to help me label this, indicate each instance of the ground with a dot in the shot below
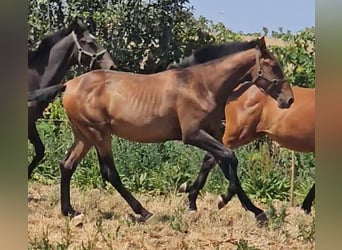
(107, 223)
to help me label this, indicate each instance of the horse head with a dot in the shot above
(89, 52)
(268, 76)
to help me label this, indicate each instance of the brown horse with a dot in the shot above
(181, 104)
(252, 114)
(50, 62)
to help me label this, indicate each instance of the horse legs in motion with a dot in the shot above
(107, 167)
(228, 162)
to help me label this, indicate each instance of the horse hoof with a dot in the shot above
(183, 188)
(307, 210)
(261, 219)
(71, 213)
(192, 210)
(147, 216)
(77, 221)
(220, 202)
(142, 218)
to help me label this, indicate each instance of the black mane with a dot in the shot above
(50, 40)
(211, 52)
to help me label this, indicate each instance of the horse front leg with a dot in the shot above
(228, 164)
(38, 147)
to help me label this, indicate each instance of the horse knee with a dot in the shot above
(232, 188)
(67, 168)
(209, 161)
(230, 157)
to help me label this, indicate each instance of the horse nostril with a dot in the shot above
(291, 100)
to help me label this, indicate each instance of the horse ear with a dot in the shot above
(261, 43)
(91, 25)
(78, 26)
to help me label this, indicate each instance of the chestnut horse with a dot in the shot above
(251, 114)
(181, 104)
(50, 62)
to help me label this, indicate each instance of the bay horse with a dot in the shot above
(48, 64)
(251, 114)
(180, 104)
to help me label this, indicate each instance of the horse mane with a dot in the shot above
(215, 51)
(50, 40)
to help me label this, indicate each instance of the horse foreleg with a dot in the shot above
(38, 148)
(110, 174)
(307, 203)
(193, 190)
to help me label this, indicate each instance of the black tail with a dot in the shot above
(46, 94)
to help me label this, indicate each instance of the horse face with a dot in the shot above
(269, 77)
(94, 54)
(90, 53)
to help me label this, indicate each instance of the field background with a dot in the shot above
(107, 223)
(146, 38)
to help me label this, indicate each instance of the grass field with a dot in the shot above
(107, 223)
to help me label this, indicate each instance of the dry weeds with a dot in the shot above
(107, 223)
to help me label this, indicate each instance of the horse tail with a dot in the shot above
(46, 94)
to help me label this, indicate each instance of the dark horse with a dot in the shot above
(182, 104)
(49, 63)
(251, 114)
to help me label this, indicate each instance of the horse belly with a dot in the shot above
(156, 131)
(300, 143)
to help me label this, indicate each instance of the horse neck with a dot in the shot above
(223, 75)
(61, 58)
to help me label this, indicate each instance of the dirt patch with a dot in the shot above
(106, 223)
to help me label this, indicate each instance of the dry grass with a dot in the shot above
(106, 224)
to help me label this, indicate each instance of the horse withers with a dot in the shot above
(49, 63)
(182, 104)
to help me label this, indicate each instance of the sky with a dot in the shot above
(251, 16)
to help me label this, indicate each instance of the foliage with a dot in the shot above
(261, 177)
(298, 59)
(145, 36)
(277, 219)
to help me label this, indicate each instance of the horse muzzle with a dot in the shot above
(285, 103)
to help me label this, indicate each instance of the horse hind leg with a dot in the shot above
(110, 174)
(228, 164)
(38, 148)
(307, 203)
(67, 167)
(235, 188)
(208, 163)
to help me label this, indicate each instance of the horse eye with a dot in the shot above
(275, 81)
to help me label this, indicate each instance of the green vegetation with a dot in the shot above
(145, 38)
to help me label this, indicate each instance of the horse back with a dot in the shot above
(133, 106)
